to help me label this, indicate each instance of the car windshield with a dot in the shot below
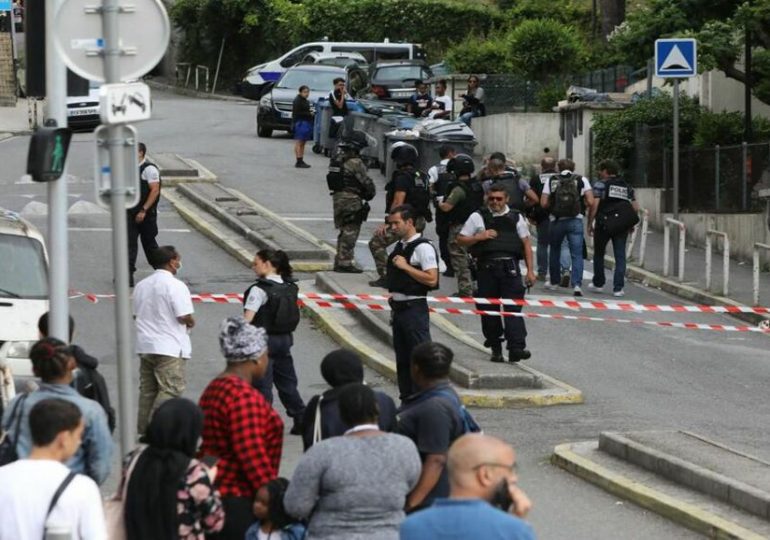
(23, 269)
(315, 80)
(399, 73)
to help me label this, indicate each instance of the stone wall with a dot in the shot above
(7, 76)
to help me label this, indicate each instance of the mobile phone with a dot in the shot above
(501, 497)
(210, 461)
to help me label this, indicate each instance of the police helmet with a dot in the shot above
(404, 154)
(356, 140)
(461, 165)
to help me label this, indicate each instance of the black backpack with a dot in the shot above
(419, 196)
(565, 193)
(91, 384)
(280, 315)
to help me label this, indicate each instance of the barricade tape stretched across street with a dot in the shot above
(354, 302)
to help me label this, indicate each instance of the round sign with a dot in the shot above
(144, 32)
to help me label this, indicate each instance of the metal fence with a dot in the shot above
(714, 179)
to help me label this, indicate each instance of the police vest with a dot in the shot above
(515, 195)
(144, 189)
(417, 195)
(615, 190)
(398, 280)
(441, 187)
(507, 243)
(280, 314)
(337, 179)
(473, 200)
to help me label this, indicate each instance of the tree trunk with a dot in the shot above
(613, 13)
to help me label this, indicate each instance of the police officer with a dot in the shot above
(520, 193)
(539, 216)
(408, 186)
(499, 238)
(439, 179)
(143, 218)
(412, 271)
(613, 213)
(351, 188)
(465, 197)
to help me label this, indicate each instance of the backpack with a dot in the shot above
(469, 423)
(280, 315)
(566, 196)
(91, 384)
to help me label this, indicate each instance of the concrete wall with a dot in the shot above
(520, 136)
(652, 200)
(7, 76)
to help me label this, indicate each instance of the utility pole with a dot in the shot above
(58, 279)
(747, 134)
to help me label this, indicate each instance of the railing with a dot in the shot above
(644, 218)
(757, 247)
(185, 70)
(671, 222)
(725, 259)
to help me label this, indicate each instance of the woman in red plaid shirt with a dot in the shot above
(240, 427)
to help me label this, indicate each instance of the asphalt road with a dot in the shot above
(632, 377)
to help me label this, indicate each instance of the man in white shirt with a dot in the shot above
(163, 312)
(28, 487)
(566, 196)
(442, 103)
(412, 272)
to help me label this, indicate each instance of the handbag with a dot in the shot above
(618, 219)
(8, 452)
(114, 507)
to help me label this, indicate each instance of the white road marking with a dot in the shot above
(109, 229)
(306, 218)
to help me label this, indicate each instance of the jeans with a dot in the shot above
(411, 326)
(466, 117)
(281, 372)
(502, 279)
(572, 230)
(160, 378)
(543, 245)
(619, 249)
(147, 230)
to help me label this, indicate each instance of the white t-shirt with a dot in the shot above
(257, 297)
(433, 172)
(26, 489)
(423, 257)
(446, 100)
(158, 300)
(150, 174)
(475, 224)
(555, 178)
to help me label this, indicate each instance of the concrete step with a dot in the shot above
(703, 465)
(175, 169)
(255, 223)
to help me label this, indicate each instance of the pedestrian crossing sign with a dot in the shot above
(676, 58)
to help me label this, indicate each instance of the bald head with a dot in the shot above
(477, 463)
(548, 164)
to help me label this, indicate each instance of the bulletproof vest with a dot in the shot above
(545, 178)
(616, 189)
(398, 280)
(441, 187)
(473, 200)
(337, 179)
(417, 195)
(280, 314)
(515, 196)
(144, 188)
(507, 243)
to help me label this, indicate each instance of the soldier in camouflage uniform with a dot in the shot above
(351, 188)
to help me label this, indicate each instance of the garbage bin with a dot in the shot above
(435, 134)
(365, 122)
(327, 142)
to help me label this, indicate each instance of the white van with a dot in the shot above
(23, 295)
(257, 76)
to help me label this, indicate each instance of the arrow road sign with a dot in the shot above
(676, 58)
(124, 103)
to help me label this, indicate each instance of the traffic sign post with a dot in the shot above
(676, 59)
(121, 103)
(126, 143)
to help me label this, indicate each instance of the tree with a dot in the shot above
(541, 49)
(613, 13)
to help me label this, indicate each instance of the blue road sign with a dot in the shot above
(6, 5)
(676, 58)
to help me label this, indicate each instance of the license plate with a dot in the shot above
(84, 112)
(285, 115)
(402, 94)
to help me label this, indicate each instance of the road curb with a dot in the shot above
(674, 509)
(189, 92)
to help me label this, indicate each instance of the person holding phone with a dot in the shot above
(485, 500)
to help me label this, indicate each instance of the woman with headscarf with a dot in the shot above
(240, 427)
(322, 415)
(354, 487)
(170, 494)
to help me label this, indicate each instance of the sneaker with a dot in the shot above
(379, 282)
(347, 269)
(517, 355)
(541, 277)
(564, 282)
(594, 288)
(301, 165)
(577, 291)
(618, 294)
(497, 354)
(550, 286)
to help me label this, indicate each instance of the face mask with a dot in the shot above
(178, 267)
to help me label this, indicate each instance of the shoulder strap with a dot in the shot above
(317, 436)
(17, 428)
(124, 485)
(59, 491)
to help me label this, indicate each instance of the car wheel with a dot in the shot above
(262, 131)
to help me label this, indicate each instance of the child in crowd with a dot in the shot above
(273, 523)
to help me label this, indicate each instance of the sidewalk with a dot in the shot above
(694, 285)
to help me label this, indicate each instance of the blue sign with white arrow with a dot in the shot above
(676, 58)
(6, 5)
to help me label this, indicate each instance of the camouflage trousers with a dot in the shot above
(346, 244)
(160, 378)
(378, 245)
(459, 256)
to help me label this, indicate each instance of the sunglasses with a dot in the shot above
(497, 199)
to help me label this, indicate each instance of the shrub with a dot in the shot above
(543, 48)
(478, 55)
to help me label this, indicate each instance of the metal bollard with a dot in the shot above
(725, 260)
(755, 258)
(667, 243)
(644, 218)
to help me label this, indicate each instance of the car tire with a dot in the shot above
(264, 132)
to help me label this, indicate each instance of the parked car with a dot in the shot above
(394, 81)
(341, 59)
(274, 110)
(83, 111)
(254, 83)
(23, 297)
